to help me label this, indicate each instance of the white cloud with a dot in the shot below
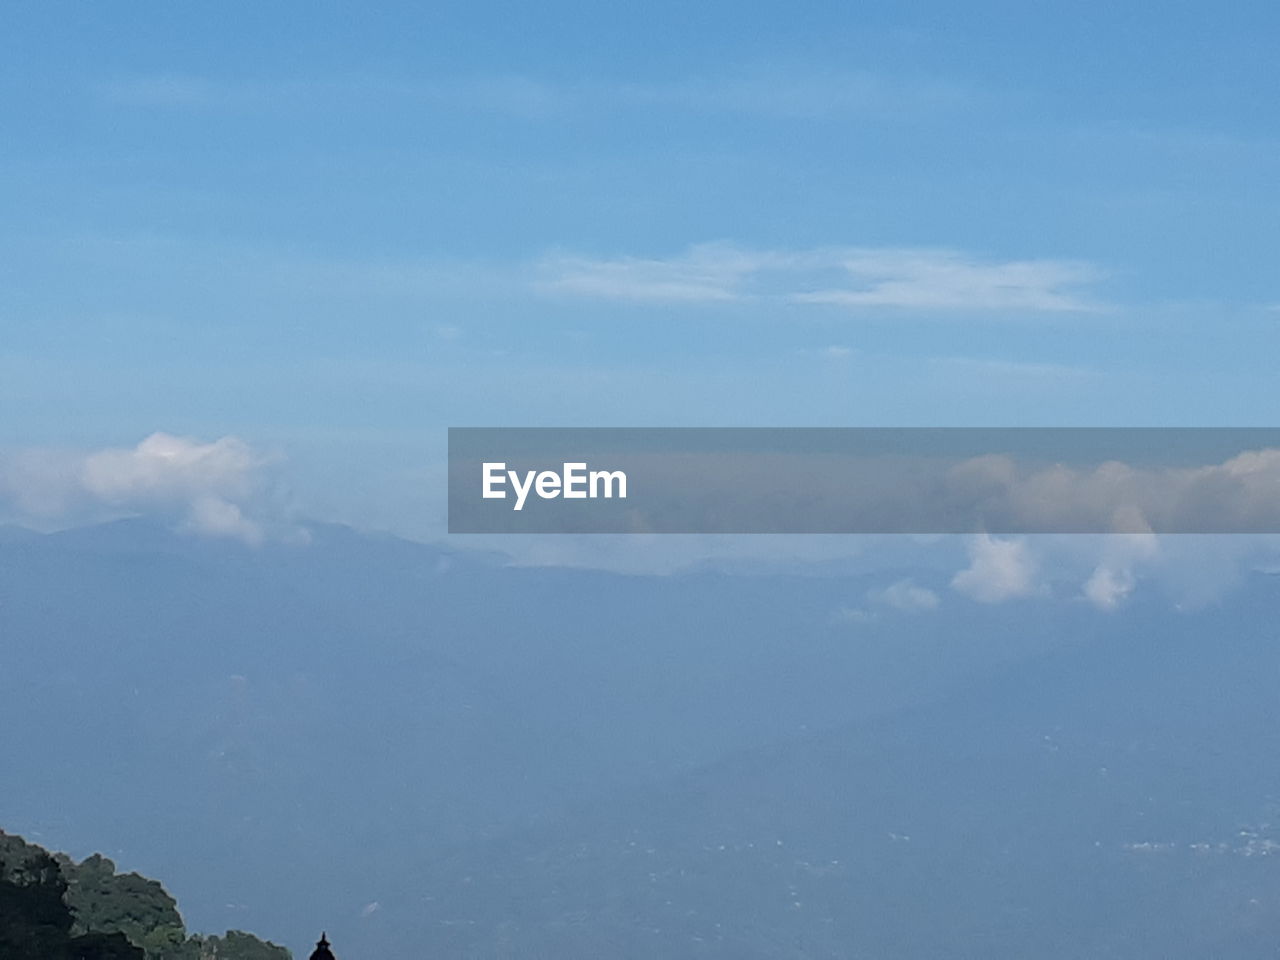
(1115, 577)
(905, 595)
(706, 273)
(168, 468)
(1108, 586)
(998, 570)
(212, 489)
(219, 518)
(948, 280)
(851, 615)
(926, 280)
(1240, 494)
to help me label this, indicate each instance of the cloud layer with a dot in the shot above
(213, 489)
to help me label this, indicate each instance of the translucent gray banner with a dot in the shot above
(864, 480)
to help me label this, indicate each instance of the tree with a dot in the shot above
(35, 921)
(104, 901)
(52, 908)
(103, 946)
(237, 945)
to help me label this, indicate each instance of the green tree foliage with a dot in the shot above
(35, 921)
(237, 945)
(104, 901)
(103, 946)
(52, 908)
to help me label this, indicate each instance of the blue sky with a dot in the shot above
(332, 231)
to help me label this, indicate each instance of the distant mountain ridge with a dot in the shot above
(1095, 802)
(432, 749)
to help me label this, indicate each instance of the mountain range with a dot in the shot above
(429, 751)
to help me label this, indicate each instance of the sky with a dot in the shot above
(305, 239)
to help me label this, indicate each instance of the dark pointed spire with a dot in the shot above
(322, 951)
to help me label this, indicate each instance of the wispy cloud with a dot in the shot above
(706, 273)
(797, 93)
(948, 280)
(163, 90)
(800, 93)
(857, 278)
(515, 96)
(1014, 369)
